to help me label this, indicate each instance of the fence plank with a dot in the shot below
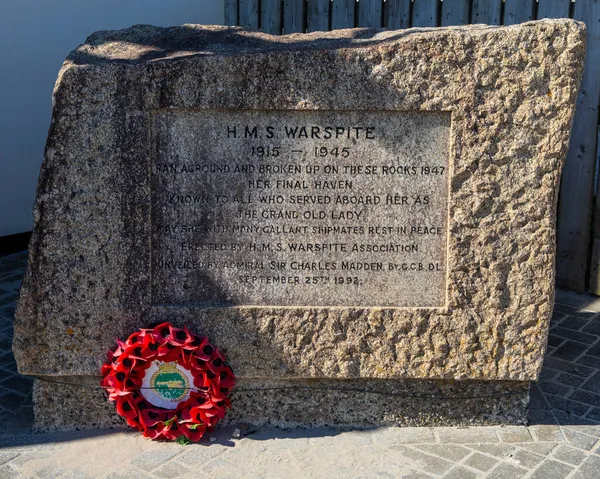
(231, 12)
(293, 16)
(369, 13)
(486, 11)
(270, 16)
(398, 14)
(425, 13)
(553, 8)
(248, 13)
(518, 11)
(455, 12)
(578, 172)
(317, 15)
(594, 284)
(342, 15)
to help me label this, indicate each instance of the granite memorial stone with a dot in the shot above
(364, 220)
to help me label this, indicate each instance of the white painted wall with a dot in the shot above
(35, 38)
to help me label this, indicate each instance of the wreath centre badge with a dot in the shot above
(165, 385)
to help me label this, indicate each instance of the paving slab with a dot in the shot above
(552, 470)
(590, 468)
(507, 471)
(526, 459)
(459, 472)
(579, 440)
(480, 462)
(467, 435)
(514, 434)
(405, 435)
(152, 459)
(447, 451)
(569, 454)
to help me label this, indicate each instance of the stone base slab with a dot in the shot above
(76, 402)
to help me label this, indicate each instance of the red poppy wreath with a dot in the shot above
(168, 383)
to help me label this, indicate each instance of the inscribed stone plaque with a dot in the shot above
(317, 208)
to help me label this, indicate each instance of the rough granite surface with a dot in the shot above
(78, 403)
(511, 93)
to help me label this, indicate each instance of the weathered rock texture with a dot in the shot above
(511, 93)
(77, 402)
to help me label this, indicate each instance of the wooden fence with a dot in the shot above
(578, 253)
